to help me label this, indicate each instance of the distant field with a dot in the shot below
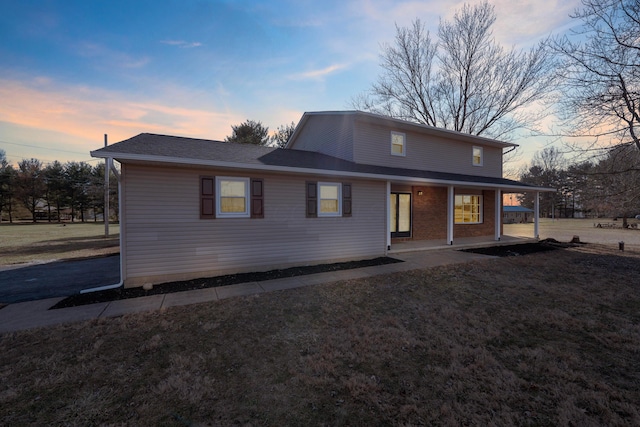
(564, 229)
(42, 242)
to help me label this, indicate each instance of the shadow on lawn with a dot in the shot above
(522, 249)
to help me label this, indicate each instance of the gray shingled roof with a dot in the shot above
(180, 150)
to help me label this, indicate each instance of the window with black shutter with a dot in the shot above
(231, 197)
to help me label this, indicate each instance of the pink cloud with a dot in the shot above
(87, 113)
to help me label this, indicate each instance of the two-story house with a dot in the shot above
(349, 185)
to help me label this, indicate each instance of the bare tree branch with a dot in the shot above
(464, 82)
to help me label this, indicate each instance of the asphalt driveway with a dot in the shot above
(57, 279)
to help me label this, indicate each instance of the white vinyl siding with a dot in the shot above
(331, 135)
(166, 240)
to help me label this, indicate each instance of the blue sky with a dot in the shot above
(71, 71)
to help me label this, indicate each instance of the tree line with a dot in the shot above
(54, 192)
(603, 187)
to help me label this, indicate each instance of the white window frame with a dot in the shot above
(247, 212)
(480, 209)
(338, 185)
(404, 144)
(473, 156)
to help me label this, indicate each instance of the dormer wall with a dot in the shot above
(328, 134)
(372, 144)
(366, 138)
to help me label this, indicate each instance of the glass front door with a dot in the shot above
(400, 215)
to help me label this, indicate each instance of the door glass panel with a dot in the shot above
(394, 213)
(404, 219)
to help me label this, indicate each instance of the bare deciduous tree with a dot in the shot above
(465, 81)
(282, 135)
(544, 171)
(601, 71)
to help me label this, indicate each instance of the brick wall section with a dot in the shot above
(429, 215)
(487, 228)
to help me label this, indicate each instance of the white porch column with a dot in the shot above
(536, 215)
(387, 208)
(498, 213)
(450, 214)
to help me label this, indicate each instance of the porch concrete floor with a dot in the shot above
(462, 243)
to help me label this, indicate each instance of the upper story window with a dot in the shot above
(398, 144)
(477, 156)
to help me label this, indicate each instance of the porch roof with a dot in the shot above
(164, 149)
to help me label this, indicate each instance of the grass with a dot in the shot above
(42, 242)
(545, 339)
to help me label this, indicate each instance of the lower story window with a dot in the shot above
(468, 209)
(233, 198)
(329, 197)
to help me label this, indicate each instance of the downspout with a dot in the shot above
(121, 282)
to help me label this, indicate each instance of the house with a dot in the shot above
(349, 185)
(516, 214)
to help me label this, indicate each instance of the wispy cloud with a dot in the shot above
(318, 74)
(105, 55)
(519, 22)
(181, 43)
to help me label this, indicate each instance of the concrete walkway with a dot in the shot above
(36, 314)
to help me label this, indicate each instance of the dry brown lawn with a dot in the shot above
(543, 339)
(43, 242)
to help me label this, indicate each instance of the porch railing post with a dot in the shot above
(498, 213)
(536, 215)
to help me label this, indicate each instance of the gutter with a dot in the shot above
(121, 282)
(311, 171)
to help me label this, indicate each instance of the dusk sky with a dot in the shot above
(71, 71)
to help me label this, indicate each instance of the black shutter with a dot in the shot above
(257, 198)
(207, 197)
(346, 199)
(312, 199)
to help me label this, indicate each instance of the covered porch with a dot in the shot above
(424, 216)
